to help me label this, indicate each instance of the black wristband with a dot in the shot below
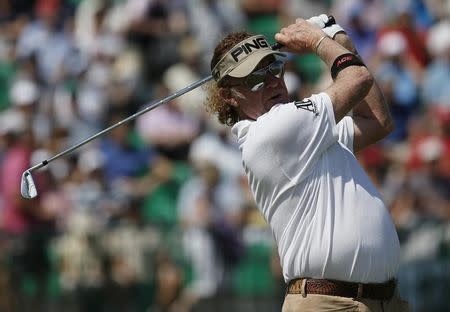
(343, 61)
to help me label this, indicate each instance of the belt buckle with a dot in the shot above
(359, 292)
(295, 287)
(303, 288)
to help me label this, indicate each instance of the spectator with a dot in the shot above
(17, 214)
(361, 33)
(436, 80)
(209, 209)
(30, 225)
(209, 19)
(45, 38)
(122, 159)
(216, 146)
(397, 81)
(168, 128)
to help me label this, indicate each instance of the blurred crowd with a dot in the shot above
(157, 215)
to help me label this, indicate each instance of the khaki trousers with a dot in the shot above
(321, 303)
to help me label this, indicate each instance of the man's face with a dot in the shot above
(252, 104)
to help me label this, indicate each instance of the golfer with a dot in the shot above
(338, 247)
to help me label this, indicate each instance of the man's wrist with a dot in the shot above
(317, 45)
(343, 61)
(344, 40)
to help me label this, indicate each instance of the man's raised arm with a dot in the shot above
(371, 117)
(351, 84)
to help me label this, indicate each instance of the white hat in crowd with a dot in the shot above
(431, 149)
(24, 92)
(392, 43)
(12, 121)
(438, 40)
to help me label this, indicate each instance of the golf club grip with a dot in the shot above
(331, 21)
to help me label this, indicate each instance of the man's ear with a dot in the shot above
(227, 95)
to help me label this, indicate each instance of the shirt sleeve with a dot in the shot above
(298, 133)
(346, 132)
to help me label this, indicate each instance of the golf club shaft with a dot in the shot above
(148, 108)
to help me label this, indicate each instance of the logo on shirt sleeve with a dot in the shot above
(308, 105)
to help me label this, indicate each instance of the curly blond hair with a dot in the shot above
(226, 114)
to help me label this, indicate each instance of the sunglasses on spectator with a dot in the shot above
(257, 79)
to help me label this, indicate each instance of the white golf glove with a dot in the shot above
(320, 22)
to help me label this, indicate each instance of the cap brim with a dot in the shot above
(251, 62)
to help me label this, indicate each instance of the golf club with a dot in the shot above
(27, 185)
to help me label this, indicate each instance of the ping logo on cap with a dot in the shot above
(242, 58)
(248, 47)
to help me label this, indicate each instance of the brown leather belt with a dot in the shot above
(381, 291)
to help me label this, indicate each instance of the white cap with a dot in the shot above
(392, 43)
(431, 149)
(24, 92)
(12, 121)
(438, 40)
(90, 160)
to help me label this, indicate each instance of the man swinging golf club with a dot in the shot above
(338, 247)
(337, 243)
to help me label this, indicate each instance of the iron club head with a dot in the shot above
(27, 187)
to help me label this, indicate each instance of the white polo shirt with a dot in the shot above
(328, 219)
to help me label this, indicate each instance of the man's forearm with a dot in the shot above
(374, 105)
(351, 85)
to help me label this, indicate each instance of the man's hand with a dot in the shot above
(300, 37)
